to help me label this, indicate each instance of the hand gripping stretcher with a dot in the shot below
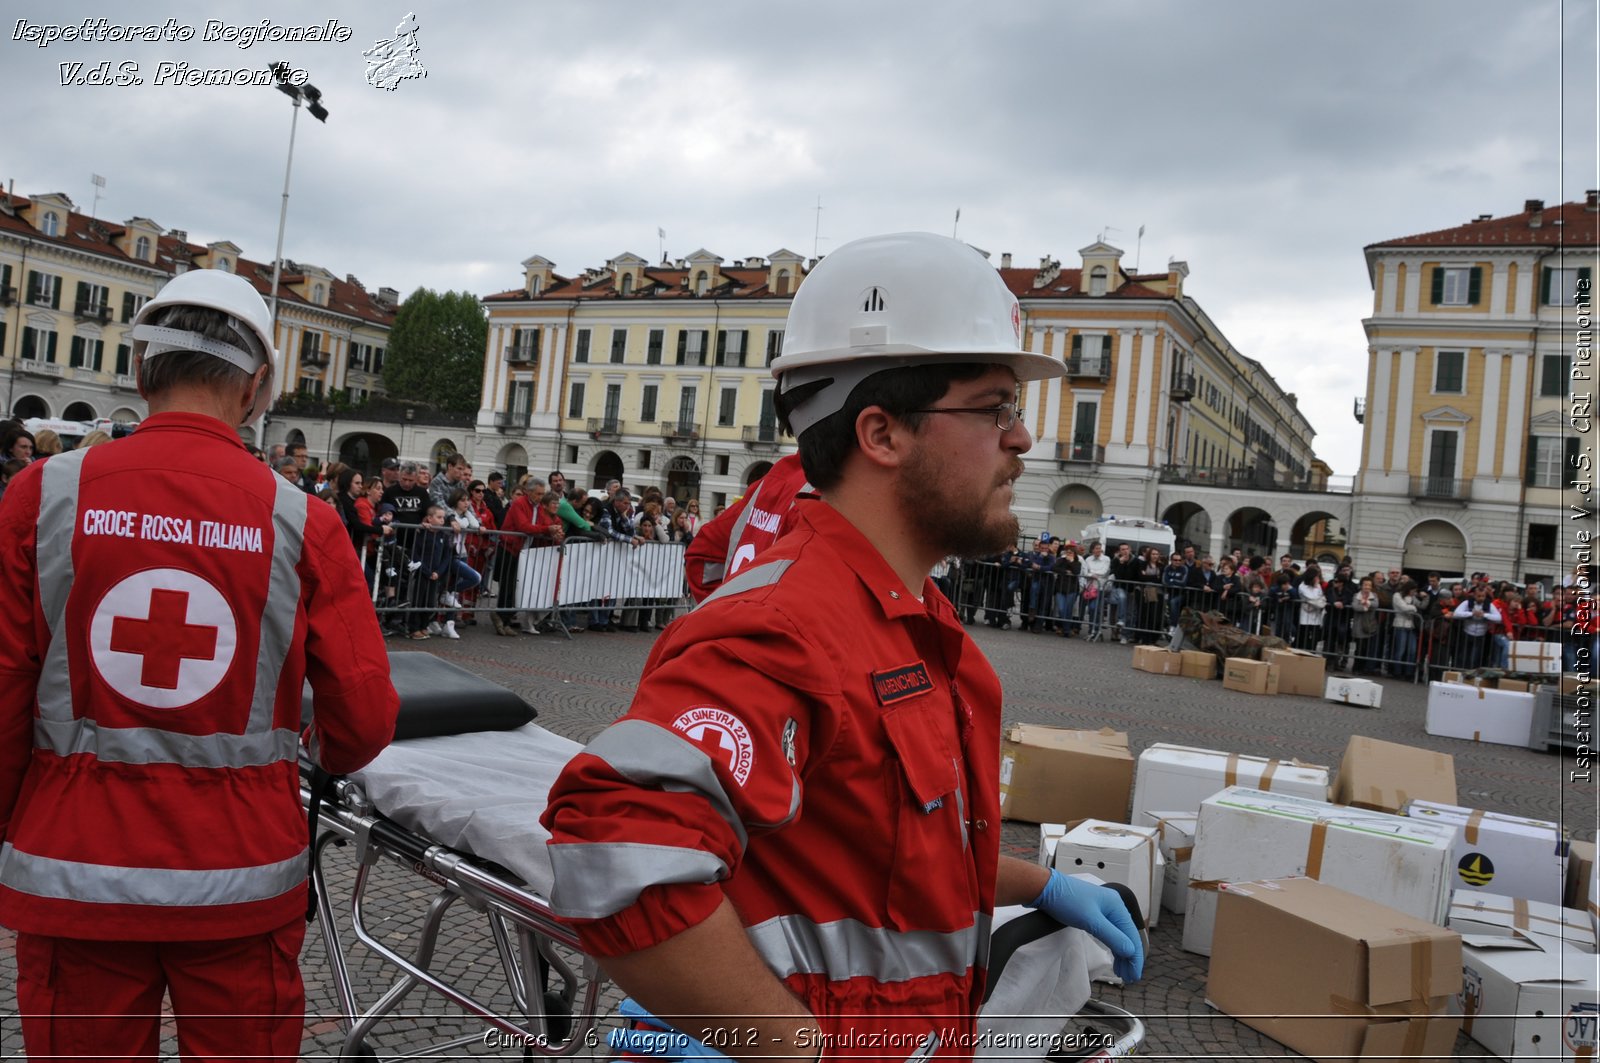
(450, 810)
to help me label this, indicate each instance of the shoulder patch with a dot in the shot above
(722, 736)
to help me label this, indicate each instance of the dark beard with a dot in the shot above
(955, 526)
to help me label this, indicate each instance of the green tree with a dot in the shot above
(435, 352)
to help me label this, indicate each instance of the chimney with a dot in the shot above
(350, 278)
(388, 297)
(1591, 199)
(1005, 260)
(1532, 206)
(180, 235)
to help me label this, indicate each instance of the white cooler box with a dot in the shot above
(1502, 854)
(1176, 839)
(1247, 834)
(1348, 691)
(1548, 925)
(1178, 778)
(1116, 852)
(1523, 1002)
(1481, 714)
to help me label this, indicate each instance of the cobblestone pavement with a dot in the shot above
(581, 685)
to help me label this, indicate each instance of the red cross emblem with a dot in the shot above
(722, 735)
(164, 638)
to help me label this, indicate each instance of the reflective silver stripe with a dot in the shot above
(43, 876)
(738, 528)
(283, 601)
(53, 534)
(151, 745)
(597, 879)
(961, 805)
(655, 757)
(712, 573)
(750, 579)
(847, 948)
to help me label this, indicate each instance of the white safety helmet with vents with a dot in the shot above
(230, 294)
(903, 299)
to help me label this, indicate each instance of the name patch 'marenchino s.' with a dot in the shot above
(897, 684)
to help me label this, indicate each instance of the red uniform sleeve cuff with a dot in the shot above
(661, 912)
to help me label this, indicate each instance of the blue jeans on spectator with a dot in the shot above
(1065, 604)
(465, 576)
(1500, 654)
(1405, 652)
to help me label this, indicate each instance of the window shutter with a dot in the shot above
(1530, 466)
(55, 294)
(96, 354)
(683, 344)
(1544, 286)
(1437, 296)
(722, 346)
(1569, 463)
(1474, 285)
(50, 346)
(75, 358)
(1105, 346)
(29, 343)
(127, 307)
(1583, 277)
(33, 285)
(1077, 346)
(83, 294)
(124, 359)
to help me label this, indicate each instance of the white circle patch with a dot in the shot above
(163, 637)
(722, 736)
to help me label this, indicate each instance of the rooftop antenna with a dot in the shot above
(816, 235)
(661, 243)
(1108, 229)
(957, 225)
(99, 183)
(1137, 248)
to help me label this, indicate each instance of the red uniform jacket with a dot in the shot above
(822, 748)
(745, 529)
(167, 596)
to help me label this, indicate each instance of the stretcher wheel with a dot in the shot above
(557, 1017)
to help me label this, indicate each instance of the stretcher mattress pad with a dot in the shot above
(479, 793)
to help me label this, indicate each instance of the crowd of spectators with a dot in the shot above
(1380, 623)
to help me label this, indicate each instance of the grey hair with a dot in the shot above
(410, 466)
(171, 368)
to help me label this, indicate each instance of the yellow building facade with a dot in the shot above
(1476, 357)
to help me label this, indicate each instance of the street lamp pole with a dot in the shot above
(312, 97)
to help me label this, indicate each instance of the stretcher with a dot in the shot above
(455, 801)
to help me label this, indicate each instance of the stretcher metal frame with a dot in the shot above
(524, 930)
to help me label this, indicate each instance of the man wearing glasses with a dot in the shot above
(792, 838)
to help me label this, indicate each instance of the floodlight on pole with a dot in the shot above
(312, 97)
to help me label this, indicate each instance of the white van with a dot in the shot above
(69, 431)
(1138, 532)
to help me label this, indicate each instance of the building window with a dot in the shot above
(1449, 372)
(85, 353)
(311, 386)
(377, 359)
(727, 404)
(652, 351)
(1097, 280)
(1085, 429)
(730, 346)
(701, 282)
(619, 344)
(224, 265)
(581, 352)
(141, 248)
(92, 299)
(692, 346)
(613, 407)
(782, 285)
(1542, 542)
(1557, 287)
(131, 304)
(1553, 372)
(38, 344)
(316, 294)
(1545, 456)
(124, 359)
(575, 400)
(688, 398)
(50, 225)
(774, 344)
(647, 403)
(44, 289)
(310, 347)
(1457, 285)
(627, 284)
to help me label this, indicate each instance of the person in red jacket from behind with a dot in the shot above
(165, 617)
(745, 529)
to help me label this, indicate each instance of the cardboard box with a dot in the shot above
(1385, 775)
(1299, 672)
(1055, 775)
(1199, 665)
(1349, 691)
(1247, 834)
(1178, 778)
(1249, 677)
(1522, 1003)
(1176, 839)
(1332, 975)
(1050, 835)
(1534, 658)
(1116, 852)
(1479, 714)
(1157, 661)
(1580, 866)
(1551, 926)
(1502, 854)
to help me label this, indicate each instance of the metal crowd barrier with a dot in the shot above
(581, 584)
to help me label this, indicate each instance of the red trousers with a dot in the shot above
(101, 1000)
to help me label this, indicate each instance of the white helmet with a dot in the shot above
(229, 293)
(904, 299)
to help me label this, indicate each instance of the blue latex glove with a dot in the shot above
(660, 1040)
(1086, 906)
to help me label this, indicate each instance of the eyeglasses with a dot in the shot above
(1005, 415)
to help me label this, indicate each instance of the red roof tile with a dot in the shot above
(1568, 224)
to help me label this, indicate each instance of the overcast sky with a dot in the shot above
(1263, 142)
